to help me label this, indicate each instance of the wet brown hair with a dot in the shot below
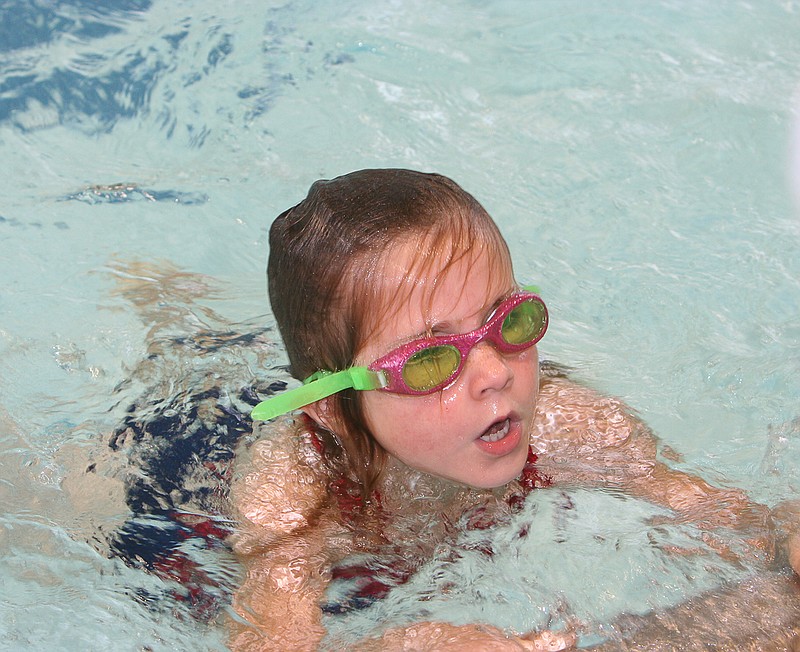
(326, 283)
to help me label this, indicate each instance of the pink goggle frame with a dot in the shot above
(425, 365)
(429, 364)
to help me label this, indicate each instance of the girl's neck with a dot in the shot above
(401, 486)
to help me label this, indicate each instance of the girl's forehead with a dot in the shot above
(430, 263)
(417, 292)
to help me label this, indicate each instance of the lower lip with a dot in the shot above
(505, 445)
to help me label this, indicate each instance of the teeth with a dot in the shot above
(496, 433)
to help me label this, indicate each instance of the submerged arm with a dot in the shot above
(283, 543)
(586, 438)
(277, 606)
(444, 637)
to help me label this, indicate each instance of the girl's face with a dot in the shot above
(476, 431)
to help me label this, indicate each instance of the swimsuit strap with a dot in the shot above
(531, 478)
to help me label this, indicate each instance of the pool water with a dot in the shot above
(637, 156)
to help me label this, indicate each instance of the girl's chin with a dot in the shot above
(499, 477)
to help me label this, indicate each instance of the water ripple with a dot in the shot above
(125, 192)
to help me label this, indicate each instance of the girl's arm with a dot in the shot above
(585, 438)
(277, 605)
(283, 541)
(444, 637)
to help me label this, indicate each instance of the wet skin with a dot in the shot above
(475, 431)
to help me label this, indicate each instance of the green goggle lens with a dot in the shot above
(431, 367)
(523, 323)
(435, 365)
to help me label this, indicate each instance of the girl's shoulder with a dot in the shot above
(569, 413)
(279, 486)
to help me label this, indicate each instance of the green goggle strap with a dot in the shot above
(318, 386)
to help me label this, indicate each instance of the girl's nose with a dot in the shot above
(488, 370)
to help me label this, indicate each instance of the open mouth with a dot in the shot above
(496, 431)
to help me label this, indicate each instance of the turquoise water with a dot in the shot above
(637, 156)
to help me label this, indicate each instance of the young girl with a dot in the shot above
(423, 400)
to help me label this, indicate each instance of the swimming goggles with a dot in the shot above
(425, 365)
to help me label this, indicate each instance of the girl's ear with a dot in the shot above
(322, 413)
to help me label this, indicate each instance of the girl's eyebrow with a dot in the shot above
(446, 327)
(505, 297)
